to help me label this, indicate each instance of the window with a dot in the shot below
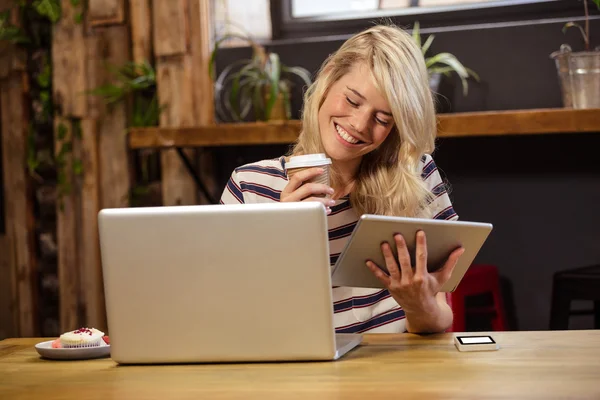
(312, 18)
(313, 8)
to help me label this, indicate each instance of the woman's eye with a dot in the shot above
(353, 104)
(381, 122)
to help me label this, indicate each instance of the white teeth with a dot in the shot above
(344, 135)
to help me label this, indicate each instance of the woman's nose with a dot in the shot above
(361, 121)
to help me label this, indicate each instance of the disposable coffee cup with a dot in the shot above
(300, 163)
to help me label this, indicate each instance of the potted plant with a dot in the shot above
(262, 83)
(442, 64)
(578, 72)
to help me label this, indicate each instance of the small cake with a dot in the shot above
(83, 337)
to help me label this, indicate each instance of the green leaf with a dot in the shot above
(287, 103)
(427, 44)
(48, 8)
(66, 147)
(597, 2)
(416, 33)
(233, 94)
(575, 25)
(440, 70)
(61, 178)
(77, 167)
(45, 76)
(452, 62)
(77, 129)
(44, 96)
(275, 72)
(62, 131)
(300, 72)
(9, 32)
(213, 54)
(110, 93)
(258, 103)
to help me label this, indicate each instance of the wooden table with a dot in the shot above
(537, 365)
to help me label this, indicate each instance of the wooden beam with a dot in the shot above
(519, 122)
(174, 77)
(12, 57)
(89, 250)
(201, 33)
(201, 16)
(141, 30)
(492, 123)
(106, 12)
(8, 318)
(66, 228)
(255, 133)
(113, 159)
(20, 222)
(170, 27)
(68, 61)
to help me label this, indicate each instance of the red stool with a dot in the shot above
(479, 279)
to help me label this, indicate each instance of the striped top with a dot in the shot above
(356, 310)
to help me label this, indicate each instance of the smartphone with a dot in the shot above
(475, 343)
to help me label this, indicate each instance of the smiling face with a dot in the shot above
(354, 119)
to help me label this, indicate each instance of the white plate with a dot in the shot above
(83, 353)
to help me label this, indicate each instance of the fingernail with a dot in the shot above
(328, 210)
(331, 202)
(330, 190)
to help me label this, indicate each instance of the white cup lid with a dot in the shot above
(308, 160)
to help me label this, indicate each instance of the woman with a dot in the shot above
(371, 111)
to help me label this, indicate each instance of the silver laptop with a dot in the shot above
(219, 283)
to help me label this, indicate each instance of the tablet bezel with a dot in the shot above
(443, 237)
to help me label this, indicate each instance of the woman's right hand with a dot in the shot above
(297, 190)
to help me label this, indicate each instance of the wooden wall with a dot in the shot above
(174, 36)
(81, 53)
(181, 33)
(18, 258)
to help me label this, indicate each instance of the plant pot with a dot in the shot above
(579, 77)
(443, 92)
(278, 111)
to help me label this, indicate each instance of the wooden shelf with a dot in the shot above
(489, 123)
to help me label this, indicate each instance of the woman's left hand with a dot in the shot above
(415, 289)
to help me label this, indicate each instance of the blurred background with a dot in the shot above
(128, 103)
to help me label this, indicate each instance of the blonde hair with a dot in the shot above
(389, 178)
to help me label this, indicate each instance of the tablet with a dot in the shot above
(443, 237)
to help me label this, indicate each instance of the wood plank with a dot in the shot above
(112, 124)
(8, 320)
(105, 12)
(141, 30)
(540, 121)
(522, 122)
(68, 61)
(256, 133)
(201, 31)
(91, 269)
(201, 14)
(175, 94)
(96, 72)
(12, 57)
(529, 365)
(66, 230)
(20, 222)
(170, 27)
